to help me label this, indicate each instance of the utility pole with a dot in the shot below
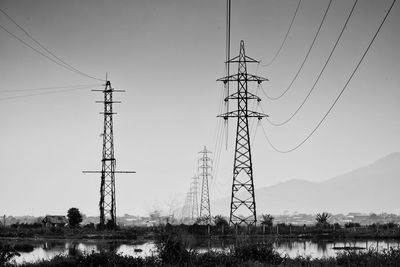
(205, 173)
(243, 204)
(107, 203)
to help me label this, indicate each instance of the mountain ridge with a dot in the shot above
(371, 188)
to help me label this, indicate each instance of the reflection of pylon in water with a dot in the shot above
(107, 203)
(243, 204)
(205, 173)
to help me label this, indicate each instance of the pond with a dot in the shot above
(47, 249)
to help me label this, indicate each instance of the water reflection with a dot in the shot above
(47, 249)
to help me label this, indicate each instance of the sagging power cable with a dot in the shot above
(55, 58)
(284, 39)
(320, 73)
(338, 97)
(305, 58)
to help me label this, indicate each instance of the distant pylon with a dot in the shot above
(243, 203)
(194, 191)
(107, 203)
(205, 167)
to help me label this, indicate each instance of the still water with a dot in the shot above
(47, 249)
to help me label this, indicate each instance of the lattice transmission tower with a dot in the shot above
(243, 204)
(187, 207)
(205, 168)
(194, 191)
(107, 203)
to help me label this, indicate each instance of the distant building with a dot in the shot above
(55, 220)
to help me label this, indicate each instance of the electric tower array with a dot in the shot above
(107, 203)
(243, 204)
(205, 163)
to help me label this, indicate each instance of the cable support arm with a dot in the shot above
(108, 91)
(113, 172)
(250, 114)
(237, 77)
(236, 96)
(109, 102)
(247, 59)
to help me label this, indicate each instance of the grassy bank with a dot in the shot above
(173, 250)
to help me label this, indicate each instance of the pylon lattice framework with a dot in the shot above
(243, 197)
(107, 203)
(194, 192)
(205, 168)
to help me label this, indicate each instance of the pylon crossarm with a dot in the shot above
(247, 59)
(237, 77)
(237, 113)
(113, 171)
(237, 96)
(109, 91)
(109, 102)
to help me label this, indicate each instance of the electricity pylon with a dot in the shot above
(243, 203)
(194, 197)
(205, 173)
(186, 210)
(107, 203)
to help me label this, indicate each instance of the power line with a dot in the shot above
(340, 94)
(45, 93)
(64, 65)
(320, 74)
(305, 58)
(45, 88)
(284, 39)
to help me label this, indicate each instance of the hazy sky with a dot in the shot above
(167, 55)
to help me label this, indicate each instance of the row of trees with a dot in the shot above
(266, 219)
(75, 218)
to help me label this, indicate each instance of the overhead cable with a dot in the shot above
(305, 58)
(60, 62)
(45, 88)
(340, 94)
(320, 73)
(45, 93)
(284, 39)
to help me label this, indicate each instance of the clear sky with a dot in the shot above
(167, 55)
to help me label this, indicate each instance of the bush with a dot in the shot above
(351, 225)
(7, 253)
(262, 252)
(172, 249)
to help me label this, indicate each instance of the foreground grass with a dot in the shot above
(173, 251)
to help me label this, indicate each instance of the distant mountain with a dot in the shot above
(373, 188)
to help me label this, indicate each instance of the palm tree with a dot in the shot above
(219, 220)
(322, 218)
(267, 220)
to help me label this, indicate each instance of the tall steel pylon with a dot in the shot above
(205, 167)
(243, 203)
(107, 203)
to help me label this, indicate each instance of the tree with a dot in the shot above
(322, 218)
(267, 220)
(203, 220)
(74, 217)
(220, 221)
